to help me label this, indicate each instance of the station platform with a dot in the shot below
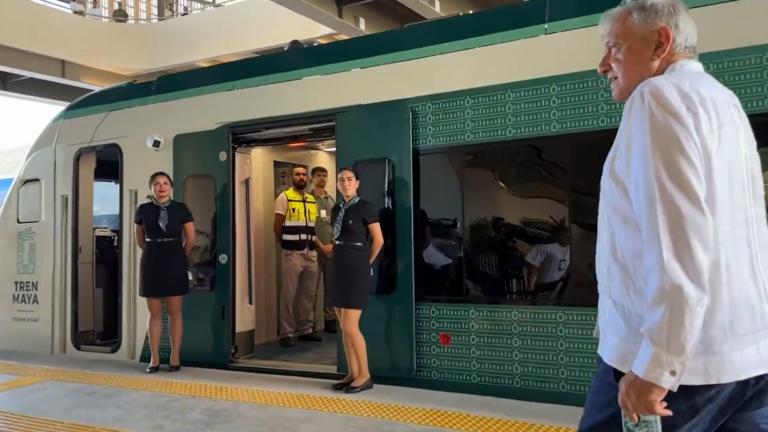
(57, 393)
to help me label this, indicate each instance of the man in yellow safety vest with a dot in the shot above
(294, 226)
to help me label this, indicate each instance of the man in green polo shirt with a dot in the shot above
(324, 241)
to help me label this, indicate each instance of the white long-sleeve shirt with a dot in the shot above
(682, 247)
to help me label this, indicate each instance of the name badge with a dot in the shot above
(323, 213)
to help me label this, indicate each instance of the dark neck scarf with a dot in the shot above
(343, 206)
(162, 220)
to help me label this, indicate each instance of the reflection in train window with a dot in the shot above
(511, 222)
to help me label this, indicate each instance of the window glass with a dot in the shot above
(106, 204)
(510, 223)
(30, 201)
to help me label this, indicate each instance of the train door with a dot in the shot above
(201, 178)
(273, 314)
(377, 139)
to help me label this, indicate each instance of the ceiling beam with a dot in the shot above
(421, 8)
(30, 87)
(25, 63)
(346, 3)
(322, 17)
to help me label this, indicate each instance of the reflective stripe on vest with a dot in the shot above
(299, 224)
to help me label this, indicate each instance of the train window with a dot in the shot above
(200, 197)
(509, 223)
(106, 203)
(98, 237)
(30, 201)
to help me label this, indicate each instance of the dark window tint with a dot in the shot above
(511, 222)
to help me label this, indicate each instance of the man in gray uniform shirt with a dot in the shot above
(324, 241)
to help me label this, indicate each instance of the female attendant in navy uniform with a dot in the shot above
(357, 242)
(165, 233)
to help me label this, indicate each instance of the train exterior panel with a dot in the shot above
(535, 79)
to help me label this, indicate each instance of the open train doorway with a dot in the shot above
(97, 273)
(279, 284)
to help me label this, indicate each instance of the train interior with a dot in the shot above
(263, 161)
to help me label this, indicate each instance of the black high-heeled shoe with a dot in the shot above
(341, 385)
(174, 368)
(362, 387)
(152, 369)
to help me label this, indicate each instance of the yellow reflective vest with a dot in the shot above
(299, 225)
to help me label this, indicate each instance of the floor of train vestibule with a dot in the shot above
(307, 356)
(41, 392)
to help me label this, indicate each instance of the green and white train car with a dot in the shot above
(474, 133)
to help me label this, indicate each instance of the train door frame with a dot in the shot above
(76, 250)
(274, 133)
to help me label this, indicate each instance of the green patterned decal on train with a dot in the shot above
(563, 104)
(569, 103)
(745, 72)
(520, 349)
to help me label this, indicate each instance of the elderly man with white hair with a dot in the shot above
(682, 245)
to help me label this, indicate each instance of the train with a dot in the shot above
(477, 135)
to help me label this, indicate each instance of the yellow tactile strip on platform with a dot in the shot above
(12, 422)
(337, 405)
(20, 382)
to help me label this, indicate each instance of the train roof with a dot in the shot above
(504, 24)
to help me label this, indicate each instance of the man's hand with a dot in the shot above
(640, 397)
(328, 250)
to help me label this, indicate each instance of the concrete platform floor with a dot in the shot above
(118, 395)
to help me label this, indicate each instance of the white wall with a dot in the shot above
(133, 48)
